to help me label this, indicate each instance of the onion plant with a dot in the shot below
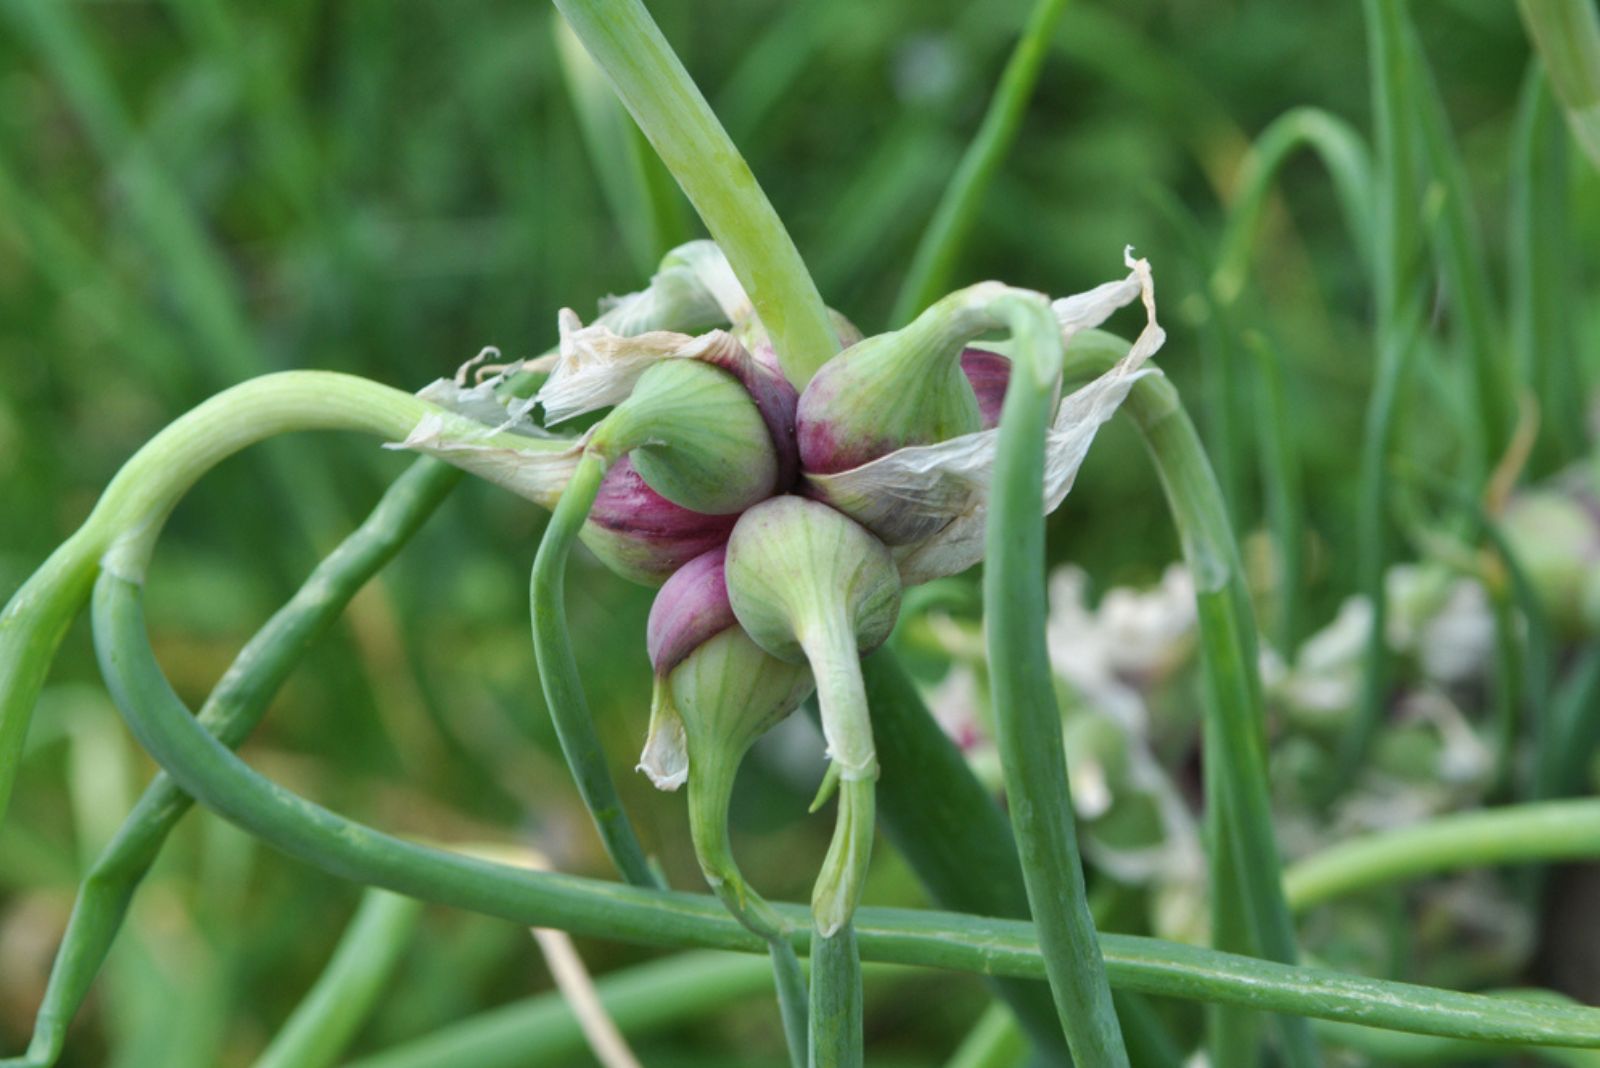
(791, 485)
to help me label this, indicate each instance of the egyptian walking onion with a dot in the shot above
(782, 526)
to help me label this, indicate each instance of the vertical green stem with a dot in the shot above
(1029, 720)
(949, 829)
(933, 264)
(1241, 834)
(1541, 276)
(558, 675)
(836, 1008)
(625, 41)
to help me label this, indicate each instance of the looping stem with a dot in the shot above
(558, 674)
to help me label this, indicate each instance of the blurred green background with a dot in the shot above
(193, 192)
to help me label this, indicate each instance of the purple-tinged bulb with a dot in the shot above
(895, 390)
(715, 690)
(692, 607)
(774, 397)
(988, 373)
(641, 535)
(695, 436)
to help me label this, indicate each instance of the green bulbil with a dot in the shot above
(695, 436)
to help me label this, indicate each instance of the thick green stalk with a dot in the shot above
(933, 264)
(625, 41)
(563, 688)
(1236, 745)
(1567, 35)
(323, 1024)
(1397, 1047)
(220, 780)
(836, 1006)
(1512, 834)
(233, 709)
(1027, 717)
(543, 1031)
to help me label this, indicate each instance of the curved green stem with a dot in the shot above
(1343, 155)
(1513, 834)
(233, 709)
(223, 782)
(323, 1024)
(710, 790)
(933, 264)
(558, 675)
(625, 41)
(1249, 913)
(1023, 687)
(121, 531)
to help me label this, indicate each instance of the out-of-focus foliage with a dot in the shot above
(195, 191)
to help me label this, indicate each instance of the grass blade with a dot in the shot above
(933, 264)
(326, 1020)
(1567, 35)
(621, 161)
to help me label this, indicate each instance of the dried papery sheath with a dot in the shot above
(943, 489)
(535, 468)
(694, 288)
(598, 368)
